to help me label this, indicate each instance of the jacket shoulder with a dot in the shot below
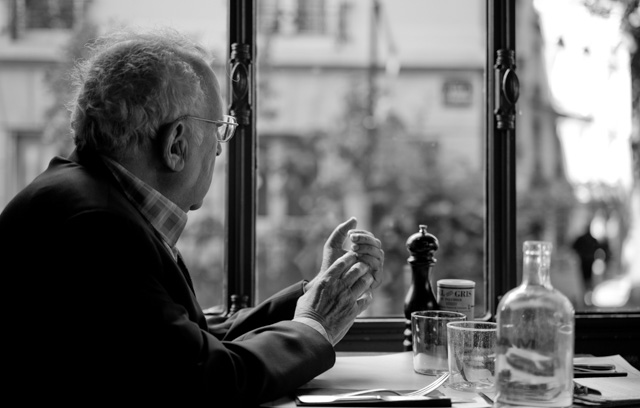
(65, 189)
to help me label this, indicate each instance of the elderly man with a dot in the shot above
(100, 305)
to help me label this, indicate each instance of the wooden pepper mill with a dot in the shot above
(422, 247)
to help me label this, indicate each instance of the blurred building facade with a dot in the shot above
(32, 35)
(302, 41)
(322, 64)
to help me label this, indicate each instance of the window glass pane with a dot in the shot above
(28, 158)
(577, 176)
(202, 243)
(380, 115)
(33, 91)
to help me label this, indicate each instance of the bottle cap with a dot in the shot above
(456, 283)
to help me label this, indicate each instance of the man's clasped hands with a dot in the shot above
(343, 287)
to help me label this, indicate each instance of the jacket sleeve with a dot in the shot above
(279, 307)
(147, 340)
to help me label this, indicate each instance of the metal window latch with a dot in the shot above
(241, 103)
(507, 89)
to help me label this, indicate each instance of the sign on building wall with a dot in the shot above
(457, 92)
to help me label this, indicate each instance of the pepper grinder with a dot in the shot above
(422, 247)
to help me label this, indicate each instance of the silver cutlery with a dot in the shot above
(486, 398)
(393, 400)
(421, 392)
(591, 368)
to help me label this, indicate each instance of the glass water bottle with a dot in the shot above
(534, 353)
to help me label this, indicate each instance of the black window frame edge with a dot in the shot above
(605, 333)
(241, 207)
(597, 333)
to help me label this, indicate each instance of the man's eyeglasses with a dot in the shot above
(225, 129)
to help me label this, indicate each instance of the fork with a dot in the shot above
(422, 391)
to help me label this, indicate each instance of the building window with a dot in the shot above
(457, 93)
(44, 15)
(50, 13)
(291, 17)
(311, 17)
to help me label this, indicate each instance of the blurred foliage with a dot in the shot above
(401, 178)
(630, 25)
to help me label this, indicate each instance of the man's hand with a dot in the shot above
(338, 295)
(363, 243)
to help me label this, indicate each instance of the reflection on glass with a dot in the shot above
(576, 181)
(371, 109)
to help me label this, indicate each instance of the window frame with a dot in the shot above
(596, 333)
(240, 226)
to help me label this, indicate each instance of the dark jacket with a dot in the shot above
(98, 311)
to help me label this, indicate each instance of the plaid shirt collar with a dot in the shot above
(163, 215)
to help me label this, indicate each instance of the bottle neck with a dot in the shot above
(536, 270)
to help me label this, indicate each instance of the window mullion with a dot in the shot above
(500, 229)
(242, 168)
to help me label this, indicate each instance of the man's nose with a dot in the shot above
(219, 149)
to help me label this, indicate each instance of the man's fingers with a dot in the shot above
(364, 301)
(339, 234)
(342, 264)
(368, 250)
(374, 262)
(364, 238)
(354, 273)
(362, 285)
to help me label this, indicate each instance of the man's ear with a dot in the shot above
(173, 145)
